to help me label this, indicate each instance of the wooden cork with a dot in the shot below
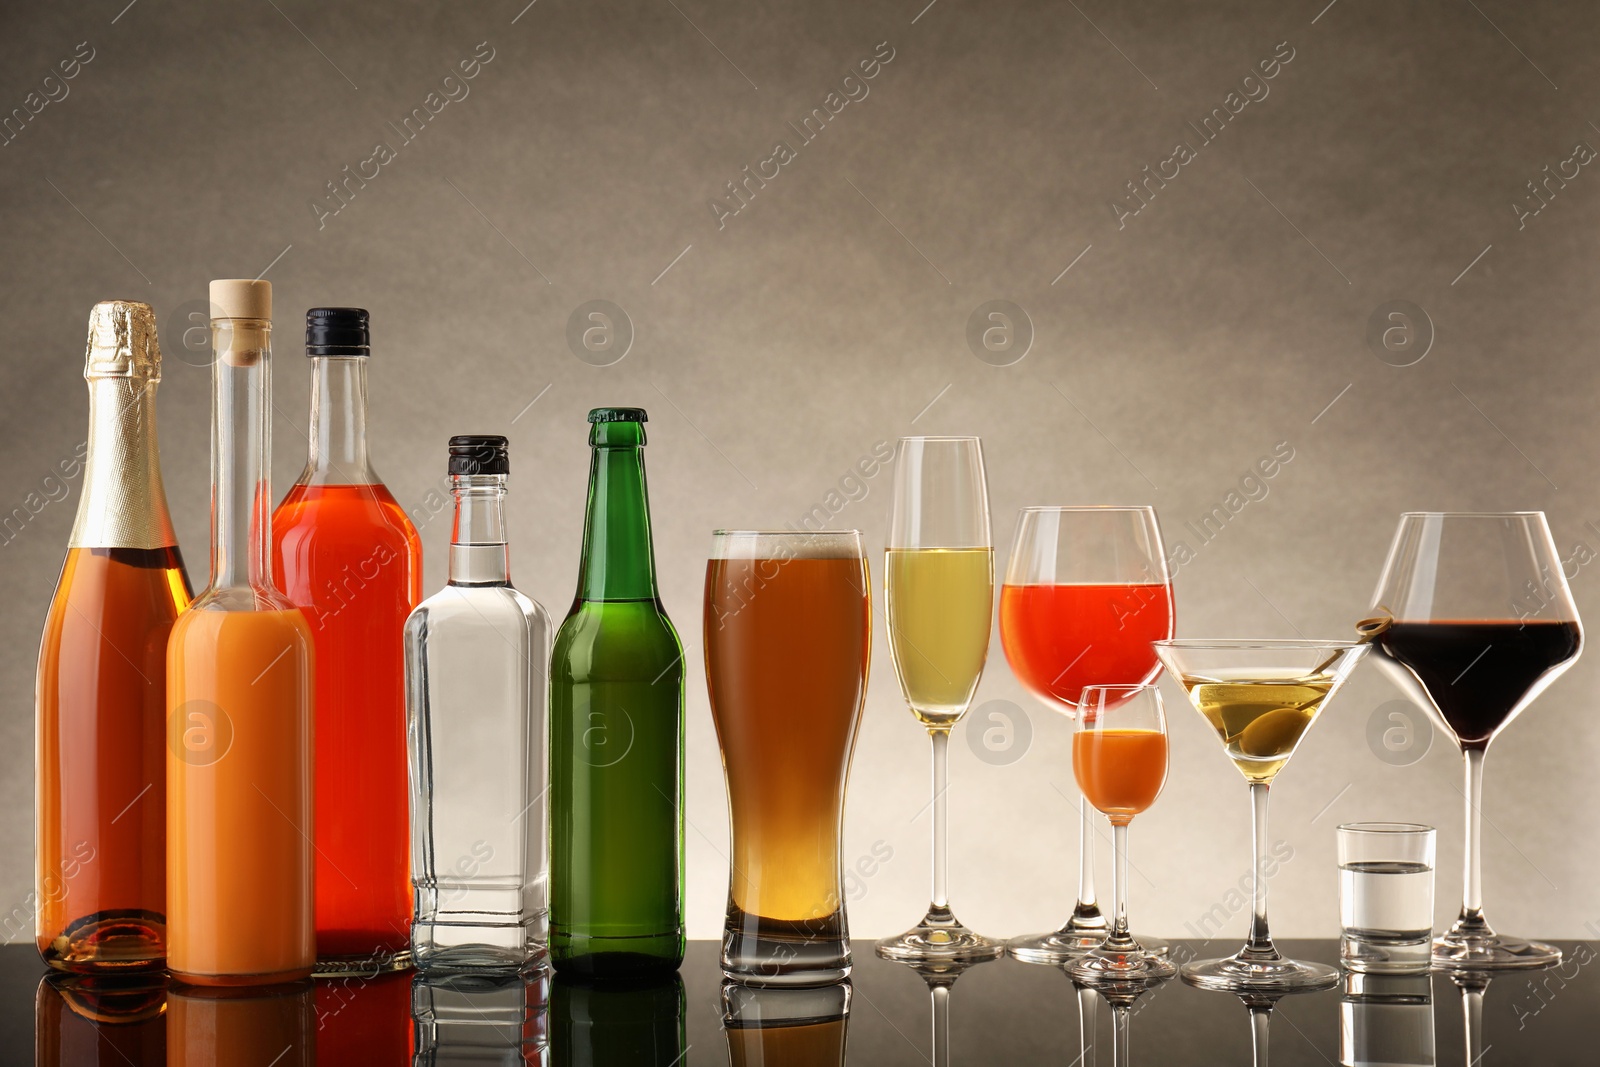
(241, 298)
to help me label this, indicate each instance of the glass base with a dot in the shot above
(1068, 944)
(940, 938)
(1259, 974)
(1133, 963)
(758, 953)
(372, 966)
(1484, 950)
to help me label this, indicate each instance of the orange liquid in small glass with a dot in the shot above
(351, 560)
(1120, 771)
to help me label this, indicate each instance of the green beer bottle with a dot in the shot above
(616, 735)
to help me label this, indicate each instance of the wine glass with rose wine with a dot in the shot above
(1086, 592)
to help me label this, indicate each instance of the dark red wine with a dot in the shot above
(1478, 672)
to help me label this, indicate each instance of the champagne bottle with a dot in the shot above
(616, 729)
(101, 698)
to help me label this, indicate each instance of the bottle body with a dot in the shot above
(239, 796)
(475, 660)
(616, 740)
(100, 808)
(616, 787)
(349, 558)
(240, 666)
(476, 655)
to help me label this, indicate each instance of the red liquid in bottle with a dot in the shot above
(1060, 638)
(351, 560)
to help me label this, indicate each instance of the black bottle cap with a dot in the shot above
(618, 415)
(337, 332)
(479, 453)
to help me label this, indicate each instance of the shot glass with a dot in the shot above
(1386, 897)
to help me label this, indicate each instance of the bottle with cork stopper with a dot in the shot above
(239, 702)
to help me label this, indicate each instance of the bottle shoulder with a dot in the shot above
(342, 512)
(618, 631)
(477, 606)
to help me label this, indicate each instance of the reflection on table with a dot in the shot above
(1008, 1013)
(1386, 1021)
(617, 1024)
(479, 1020)
(214, 1027)
(82, 1021)
(786, 1027)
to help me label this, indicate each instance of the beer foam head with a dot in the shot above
(786, 544)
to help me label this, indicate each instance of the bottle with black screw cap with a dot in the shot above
(350, 559)
(475, 663)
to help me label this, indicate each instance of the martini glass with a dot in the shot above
(1260, 697)
(1478, 600)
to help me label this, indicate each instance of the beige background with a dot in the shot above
(831, 314)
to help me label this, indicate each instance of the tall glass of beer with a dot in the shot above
(788, 637)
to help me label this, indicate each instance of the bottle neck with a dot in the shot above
(241, 441)
(338, 452)
(124, 504)
(618, 557)
(478, 553)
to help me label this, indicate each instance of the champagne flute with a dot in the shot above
(1478, 599)
(1086, 592)
(939, 596)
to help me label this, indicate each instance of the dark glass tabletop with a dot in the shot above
(996, 1013)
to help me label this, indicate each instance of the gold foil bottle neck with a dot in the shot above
(124, 504)
(122, 342)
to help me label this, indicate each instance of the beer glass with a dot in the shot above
(788, 636)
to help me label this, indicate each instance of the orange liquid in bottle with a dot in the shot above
(102, 802)
(349, 557)
(1120, 771)
(239, 801)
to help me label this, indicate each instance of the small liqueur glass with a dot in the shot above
(1119, 756)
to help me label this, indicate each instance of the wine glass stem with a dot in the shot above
(1086, 901)
(1260, 943)
(1472, 856)
(941, 745)
(1119, 937)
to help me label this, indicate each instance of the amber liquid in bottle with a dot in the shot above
(101, 696)
(239, 707)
